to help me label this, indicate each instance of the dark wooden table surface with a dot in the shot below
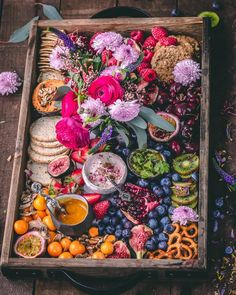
(13, 14)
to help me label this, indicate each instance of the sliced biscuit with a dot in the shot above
(48, 151)
(43, 129)
(46, 144)
(39, 173)
(41, 159)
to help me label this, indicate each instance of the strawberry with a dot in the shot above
(76, 176)
(148, 75)
(149, 43)
(106, 55)
(70, 188)
(55, 187)
(143, 65)
(137, 36)
(112, 62)
(80, 155)
(168, 41)
(148, 54)
(100, 209)
(159, 32)
(92, 198)
(94, 141)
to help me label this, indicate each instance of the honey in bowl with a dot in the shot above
(76, 211)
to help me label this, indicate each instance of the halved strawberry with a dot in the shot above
(92, 198)
(94, 141)
(55, 187)
(76, 176)
(80, 155)
(71, 187)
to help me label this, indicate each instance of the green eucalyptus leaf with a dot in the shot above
(123, 135)
(141, 135)
(22, 33)
(149, 115)
(61, 92)
(50, 11)
(139, 122)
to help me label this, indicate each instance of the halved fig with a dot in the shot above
(30, 245)
(60, 166)
(161, 135)
(120, 251)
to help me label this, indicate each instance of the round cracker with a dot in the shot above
(39, 173)
(44, 129)
(47, 144)
(43, 159)
(48, 151)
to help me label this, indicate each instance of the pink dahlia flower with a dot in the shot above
(107, 89)
(126, 54)
(58, 57)
(183, 215)
(69, 105)
(124, 111)
(71, 133)
(107, 40)
(187, 71)
(9, 83)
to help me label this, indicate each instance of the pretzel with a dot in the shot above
(182, 251)
(160, 254)
(193, 245)
(187, 229)
(174, 238)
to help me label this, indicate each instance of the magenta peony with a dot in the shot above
(107, 89)
(71, 133)
(69, 105)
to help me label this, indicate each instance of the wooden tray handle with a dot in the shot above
(120, 11)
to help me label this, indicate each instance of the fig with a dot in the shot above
(161, 135)
(139, 236)
(120, 251)
(60, 166)
(30, 245)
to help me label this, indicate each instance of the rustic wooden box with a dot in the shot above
(12, 266)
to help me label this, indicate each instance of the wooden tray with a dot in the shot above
(12, 266)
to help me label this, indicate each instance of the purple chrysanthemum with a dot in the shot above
(124, 111)
(183, 215)
(9, 83)
(187, 71)
(107, 40)
(58, 57)
(115, 72)
(91, 110)
(126, 54)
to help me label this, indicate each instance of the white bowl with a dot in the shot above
(94, 161)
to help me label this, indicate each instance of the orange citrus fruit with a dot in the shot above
(65, 255)
(76, 248)
(93, 231)
(49, 223)
(39, 203)
(21, 226)
(110, 238)
(39, 214)
(65, 243)
(98, 255)
(54, 249)
(52, 236)
(47, 212)
(107, 248)
(26, 218)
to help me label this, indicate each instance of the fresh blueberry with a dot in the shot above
(176, 177)
(195, 176)
(165, 220)
(113, 201)
(112, 211)
(109, 229)
(119, 226)
(158, 191)
(169, 228)
(158, 230)
(119, 214)
(167, 190)
(170, 210)
(126, 233)
(161, 210)
(95, 222)
(125, 152)
(166, 154)
(151, 143)
(153, 214)
(158, 147)
(150, 245)
(167, 200)
(162, 237)
(101, 228)
(106, 220)
(142, 182)
(128, 225)
(152, 184)
(114, 220)
(165, 181)
(124, 220)
(216, 213)
(152, 223)
(131, 176)
(162, 245)
(219, 202)
(118, 233)
(229, 250)
(155, 239)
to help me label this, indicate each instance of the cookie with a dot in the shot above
(43, 129)
(46, 144)
(39, 173)
(41, 159)
(48, 151)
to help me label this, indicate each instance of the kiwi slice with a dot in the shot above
(212, 15)
(193, 205)
(184, 200)
(186, 164)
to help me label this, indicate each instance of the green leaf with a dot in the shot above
(22, 33)
(61, 92)
(139, 122)
(50, 11)
(150, 116)
(141, 135)
(123, 135)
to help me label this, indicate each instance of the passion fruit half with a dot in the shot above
(161, 135)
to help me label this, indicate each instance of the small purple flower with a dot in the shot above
(187, 71)
(124, 111)
(106, 135)
(115, 72)
(66, 39)
(9, 83)
(126, 54)
(229, 179)
(183, 215)
(107, 40)
(58, 57)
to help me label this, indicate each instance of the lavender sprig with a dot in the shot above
(229, 179)
(106, 135)
(67, 41)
